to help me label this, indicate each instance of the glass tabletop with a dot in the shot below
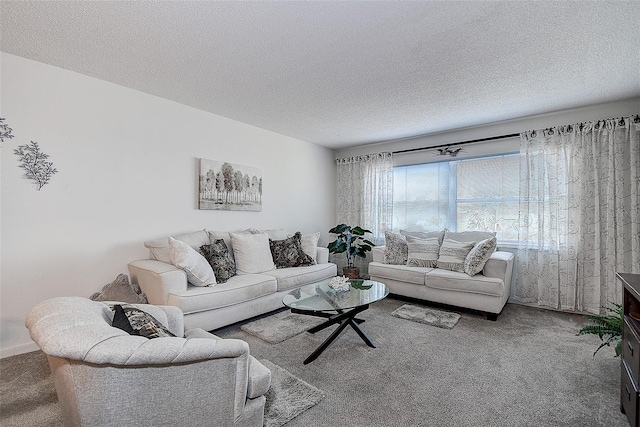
(320, 297)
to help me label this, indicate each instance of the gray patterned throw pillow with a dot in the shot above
(142, 322)
(452, 254)
(222, 262)
(396, 250)
(423, 252)
(479, 255)
(288, 252)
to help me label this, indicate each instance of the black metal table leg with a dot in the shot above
(345, 318)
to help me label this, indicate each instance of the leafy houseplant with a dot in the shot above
(608, 327)
(352, 242)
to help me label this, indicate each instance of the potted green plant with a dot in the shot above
(608, 327)
(350, 241)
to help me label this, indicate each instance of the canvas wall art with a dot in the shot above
(227, 186)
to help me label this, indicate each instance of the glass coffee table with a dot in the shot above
(336, 306)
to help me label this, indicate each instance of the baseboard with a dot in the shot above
(19, 349)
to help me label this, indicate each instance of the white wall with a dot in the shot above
(128, 172)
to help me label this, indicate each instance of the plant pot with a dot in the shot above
(351, 272)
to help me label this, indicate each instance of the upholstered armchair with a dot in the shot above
(104, 376)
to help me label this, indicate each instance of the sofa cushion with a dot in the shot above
(288, 252)
(396, 250)
(402, 273)
(183, 256)
(310, 245)
(424, 234)
(236, 290)
(221, 261)
(452, 254)
(224, 235)
(252, 253)
(159, 248)
(469, 236)
(455, 281)
(290, 278)
(422, 252)
(478, 256)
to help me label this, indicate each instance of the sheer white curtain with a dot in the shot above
(579, 214)
(365, 195)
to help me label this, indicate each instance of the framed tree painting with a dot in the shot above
(227, 186)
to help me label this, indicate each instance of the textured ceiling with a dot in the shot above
(344, 73)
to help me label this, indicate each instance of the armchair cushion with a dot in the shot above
(121, 321)
(140, 322)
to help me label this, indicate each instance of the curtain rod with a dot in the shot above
(511, 135)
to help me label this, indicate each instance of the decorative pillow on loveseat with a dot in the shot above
(220, 259)
(396, 250)
(288, 252)
(479, 255)
(453, 254)
(422, 252)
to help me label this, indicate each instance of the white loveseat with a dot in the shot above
(487, 291)
(241, 297)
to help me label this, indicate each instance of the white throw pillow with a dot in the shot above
(183, 256)
(452, 254)
(310, 244)
(479, 255)
(423, 252)
(252, 253)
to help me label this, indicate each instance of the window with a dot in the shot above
(461, 195)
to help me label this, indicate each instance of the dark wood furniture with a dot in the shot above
(630, 366)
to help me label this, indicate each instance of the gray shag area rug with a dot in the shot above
(28, 396)
(427, 316)
(281, 326)
(288, 396)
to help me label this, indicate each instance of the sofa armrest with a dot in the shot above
(500, 265)
(377, 253)
(259, 379)
(157, 279)
(322, 255)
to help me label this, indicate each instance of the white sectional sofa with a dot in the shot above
(241, 297)
(487, 291)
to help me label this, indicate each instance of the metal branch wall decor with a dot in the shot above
(35, 163)
(5, 130)
(32, 160)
